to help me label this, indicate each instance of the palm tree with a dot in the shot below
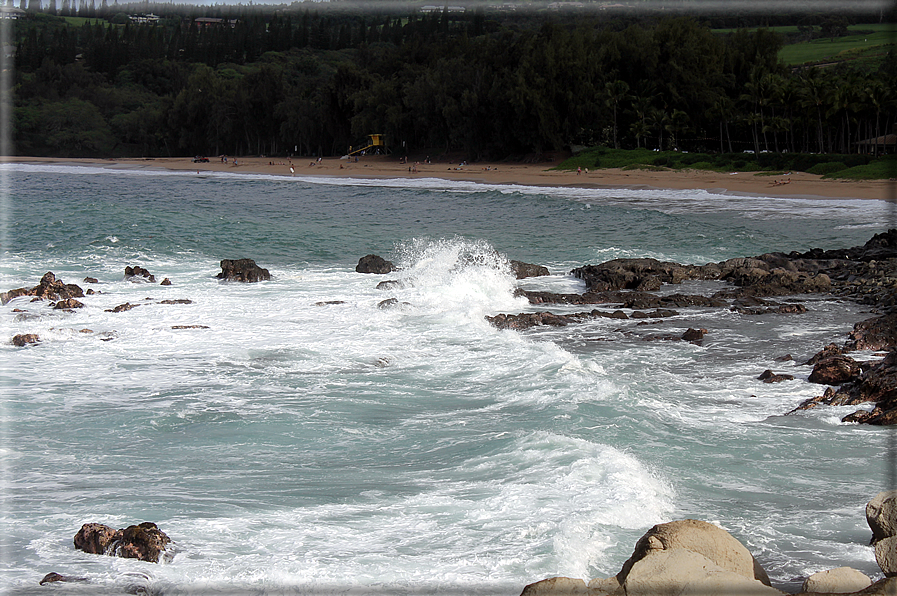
(722, 110)
(659, 119)
(615, 91)
(678, 123)
(813, 94)
(879, 96)
(639, 129)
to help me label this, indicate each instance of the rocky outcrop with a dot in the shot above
(877, 384)
(687, 557)
(878, 333)
(49, 288)
(638, 274)
(523, 270)
(139, 274)
(143, 541)
(867, 274)
(242, 270)
(374, 264)
(881, 515)
(695, 558)
(834, 370)
(699, 537)
(68, 304)
(23, 339)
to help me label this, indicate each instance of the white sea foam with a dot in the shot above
(296, 438)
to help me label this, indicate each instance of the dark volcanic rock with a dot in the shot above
(95, 538)
(139, 274)
(878, 333)
(242, 270)
(877, 384)
(177, 301)
(694, 335)
(122, 307)
(834, 370)
(144, 541)
(826, 352)
(165, 282)
(23, 339)
(91, 280)
(522, 270)
(68, 303)
(629, 274)
(49, 288)
(767, 376)
(374, 264)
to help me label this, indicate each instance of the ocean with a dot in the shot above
(292, 437)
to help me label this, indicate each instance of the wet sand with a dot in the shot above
(793, 185)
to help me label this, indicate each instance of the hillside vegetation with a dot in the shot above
(487, 84)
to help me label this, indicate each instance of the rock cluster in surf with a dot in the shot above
(143, 541)
(695, 558)
(242, 270)
(865, 274)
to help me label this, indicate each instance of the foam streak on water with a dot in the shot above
(295, 438)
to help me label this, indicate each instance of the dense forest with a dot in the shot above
(486, 84)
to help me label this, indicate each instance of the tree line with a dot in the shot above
(316, 83)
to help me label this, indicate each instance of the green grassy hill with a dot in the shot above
(868, 44)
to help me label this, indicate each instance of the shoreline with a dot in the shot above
(801, 185)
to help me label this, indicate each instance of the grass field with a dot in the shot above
(862, 42)
(857, 167)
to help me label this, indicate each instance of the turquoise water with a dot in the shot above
(293, 447)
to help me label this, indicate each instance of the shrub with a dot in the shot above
(829, 167)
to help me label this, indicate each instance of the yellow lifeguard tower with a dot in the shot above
(377, 142)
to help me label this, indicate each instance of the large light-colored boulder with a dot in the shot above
(700, 537)
(682, 572)
(605, 586)
(842, 580)
(886, 555)
(557, 586)
(881, 514)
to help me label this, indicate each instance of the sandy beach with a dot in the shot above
(793, 185)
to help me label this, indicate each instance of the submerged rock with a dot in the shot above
(242, 270)
(767, 376)
(53, 577)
